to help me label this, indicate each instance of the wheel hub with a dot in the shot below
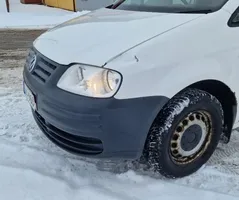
(191, 137)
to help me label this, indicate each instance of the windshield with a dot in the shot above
(173, 6)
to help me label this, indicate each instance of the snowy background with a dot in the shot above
(32, 16)
(32, 168)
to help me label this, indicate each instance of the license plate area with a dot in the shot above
(31, 98)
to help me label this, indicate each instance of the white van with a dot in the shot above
(149, 80)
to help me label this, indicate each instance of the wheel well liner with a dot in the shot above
(227, 99)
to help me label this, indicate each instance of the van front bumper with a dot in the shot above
(106, 128)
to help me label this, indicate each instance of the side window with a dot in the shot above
(234, 20)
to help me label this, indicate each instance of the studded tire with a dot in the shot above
(162, 155)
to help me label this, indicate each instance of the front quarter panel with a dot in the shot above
(200, 50)
(146, 79)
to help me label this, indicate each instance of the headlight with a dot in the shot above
(90, 81)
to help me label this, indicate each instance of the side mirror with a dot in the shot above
(236, 18)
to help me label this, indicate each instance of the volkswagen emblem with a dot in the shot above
(32, 63)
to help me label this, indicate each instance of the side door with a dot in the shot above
(233, 24)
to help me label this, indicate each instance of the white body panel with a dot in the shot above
(104, 34)
(157, 54)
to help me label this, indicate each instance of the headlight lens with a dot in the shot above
(90, 81)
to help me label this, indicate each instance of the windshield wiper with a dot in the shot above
(117, 3)
(196, 11)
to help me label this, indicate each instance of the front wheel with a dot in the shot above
(185, 134)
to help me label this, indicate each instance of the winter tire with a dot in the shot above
(185, 134)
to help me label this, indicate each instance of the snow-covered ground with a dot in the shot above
(31, 167)
(33, 16)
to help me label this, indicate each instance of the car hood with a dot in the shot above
(101, 35)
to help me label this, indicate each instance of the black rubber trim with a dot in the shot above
(68, 142)
(230, 21)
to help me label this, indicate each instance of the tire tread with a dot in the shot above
(163, 123)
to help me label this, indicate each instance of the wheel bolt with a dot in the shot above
(174, 145)
(179, 129)
(175, 137)
(185, 122)
(191, 118)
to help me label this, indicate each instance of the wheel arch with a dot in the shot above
(227, 99)
(225, 96)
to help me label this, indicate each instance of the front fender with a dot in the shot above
(183, 56)
(142, 80)
(185, 74)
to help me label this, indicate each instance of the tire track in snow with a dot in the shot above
(80, 175)
(75, 173)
